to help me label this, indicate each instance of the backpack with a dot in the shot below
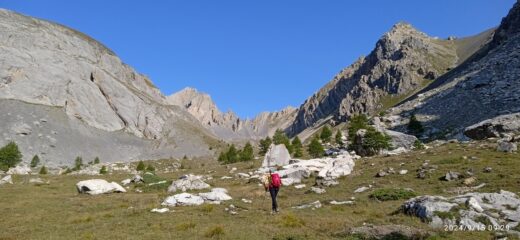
(276, 182)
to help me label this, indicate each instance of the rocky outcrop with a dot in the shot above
(228, 125)
(403, 61)
(484, 87)
(79, 87)
(277, 155)
(98, 186)
(496, 127)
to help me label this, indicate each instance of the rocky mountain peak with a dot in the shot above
(509, 26)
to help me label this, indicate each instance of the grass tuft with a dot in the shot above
(392, 194)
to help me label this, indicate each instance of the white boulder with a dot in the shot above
(21, 169)
(216, 195)
(277, 155)
(98, 186)
(188, 182)
(183, 199)
(6, 179)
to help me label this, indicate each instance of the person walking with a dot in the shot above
(274, 182)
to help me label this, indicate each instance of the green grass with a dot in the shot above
(392, 194)
(57, 211)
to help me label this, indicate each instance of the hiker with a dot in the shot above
(273, 185)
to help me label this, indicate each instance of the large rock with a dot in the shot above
(6, 179)
(506, 146)
(20, 169)
(494, 127)
(98, 186)
(216, 195)
(183, 199)
(337, 167)
(277, 155)
(188, 182)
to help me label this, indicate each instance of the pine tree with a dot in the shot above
(140, 166)
(356, 122)
(315, 148)
(264, 145)
(9, 156)
(103, 170)
(35, 161)
(338, 138)
(415, 126)
(297, 147)
(325, 134)
(223, 157)
(247, 153)
(150, 168)
(280, 138)
(232, 154)
(78, 163)
(43, 170)
(96, 160)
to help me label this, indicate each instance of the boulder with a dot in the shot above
(361, 189)
(216, 195)
(494, 127)
(6, 179)
(425, 207)
(400, 140)
(337, 167)
(160, 210)
(334, 202)
(312, 205)
(98, 186)
(21, 169)
(188, 182)
(506, 146)
(317, 190)
(183, 199)
(277, 155)
(450, 176)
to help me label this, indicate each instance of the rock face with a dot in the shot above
(277, 155)
(403, 61)
(494, 127)
(484, 87)
(474, 211)
(228, 125)
(68, 83)
(98, 186)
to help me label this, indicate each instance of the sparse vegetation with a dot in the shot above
(103, 170)
(418, 145)
(233, 155)
(35, 161)
(373, 140)
(216, 232)
(9, 156)
(264, 145)
(292, 221)
(43, 170)
(247, 153)
(78, 163)
(297, 147)
(338, 138)
(389, 194)
(150, 168)
(96, 160)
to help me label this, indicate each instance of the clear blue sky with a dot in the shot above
(254, 56)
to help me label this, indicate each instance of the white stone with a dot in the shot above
(473, 203)
(160, 210)
(334, 202)
(188, 182)
(21, 169)
(183, 199)
(403, 171)
(361, 189)
(98, 186)
(318, 190)
(216, 195)
(126, 181)
(277, 155)
(246, 200)
(300, 186)
(6, 179)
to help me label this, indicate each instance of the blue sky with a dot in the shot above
(254, 56)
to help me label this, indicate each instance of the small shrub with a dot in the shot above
(103, 170)
(35, 161)
(315, 148)
(390, 194)
(216, 232)
(43, 170)
(96, 160)
(9, 156)
(67, 171)
(338, 137)
(289, 220)
(140, 166)
(150, 168)
(325, 134)
(207, 208)
(78, 163)
(185, 226)
(297, 147)
(264, 145)
(418, 145)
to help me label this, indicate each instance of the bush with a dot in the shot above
(96, 160)
(414, 126)
(297, 147)
(325, 134)
(103, 170)
(140, 166)
(78, 163)
(185, 226)
(418, 145)
(150, 168)
(216, 232)
(338, 138)
(372, 142)
(43, 170)
(389, 194)
(289, 220)
(315, 148)
(9, 156)
(357, 122)
(264, 145)
(35, 161)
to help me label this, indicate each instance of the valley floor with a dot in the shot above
(57, 211)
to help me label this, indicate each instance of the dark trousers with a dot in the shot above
(274, 192)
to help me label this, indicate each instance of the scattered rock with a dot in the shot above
(403, 171)
(6, 179)
(188, 182)
(317, 190)
(246, 200)
(300, 186)
(312, 205)
(98, 186)
(334, 202)
(216, 195)
(450, 176)
(160, 210)
(183, 199)
(470, 181)
(243, 175)
(361, 189)
(488, 169)
(226, 177)
(38, 181)
(20, 169)
(506, 146)
(494, 127)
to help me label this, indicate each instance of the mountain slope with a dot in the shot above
(49, 65)
(403, 61)
(485, 86)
